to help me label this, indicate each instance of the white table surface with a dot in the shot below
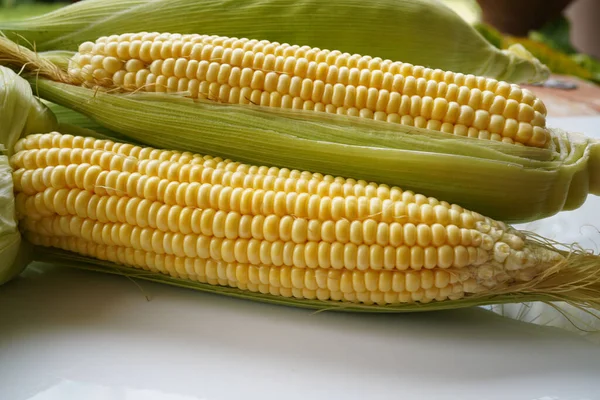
(68, 334)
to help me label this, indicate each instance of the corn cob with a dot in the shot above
(242, 71)
(269, 230)
(438, 37)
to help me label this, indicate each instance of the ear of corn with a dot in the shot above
(243, 71)
(277, 234)
(421, 32)
(20, 113)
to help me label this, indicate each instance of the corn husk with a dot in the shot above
(71, 122)
(40, 31)
(20, 113)
(421, 32)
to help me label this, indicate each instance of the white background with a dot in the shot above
(68, 334)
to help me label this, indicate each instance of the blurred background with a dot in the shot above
(562, 33)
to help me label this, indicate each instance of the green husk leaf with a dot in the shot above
(485, 176)
(20, 113)
(13, 251)
(39, 30)
(438, 37)
(71, 122)
(15, 10)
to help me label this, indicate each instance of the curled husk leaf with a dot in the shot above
(21, 113)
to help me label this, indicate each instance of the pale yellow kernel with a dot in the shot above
(539, 106)
(540, 137)
(440, 107)
(427, 279)
(101, 77)
(426, 107)
(372, 98)
(438, 234)
(434, 125)
(383, 101)
(417, 257)
(526, 113)
(452, 92)
(299, 230)
(420, 122)
(413, 281)
(403, 257)
(257, 81)
(511, 128)
(430, 257)
(497, 123)
(463, 96)
(111, 64)
(376, 254)
(424, 235)
(86, 47)
(466, 116)
(398, 282)
(409, 234)
(407, 120)
(442, 279)
(498, 105)
(538, 120)
(453, 113)
(511, 110)
(445, 256)
(481, 120)
(475, 98)
(461, 257)
(524, 133)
